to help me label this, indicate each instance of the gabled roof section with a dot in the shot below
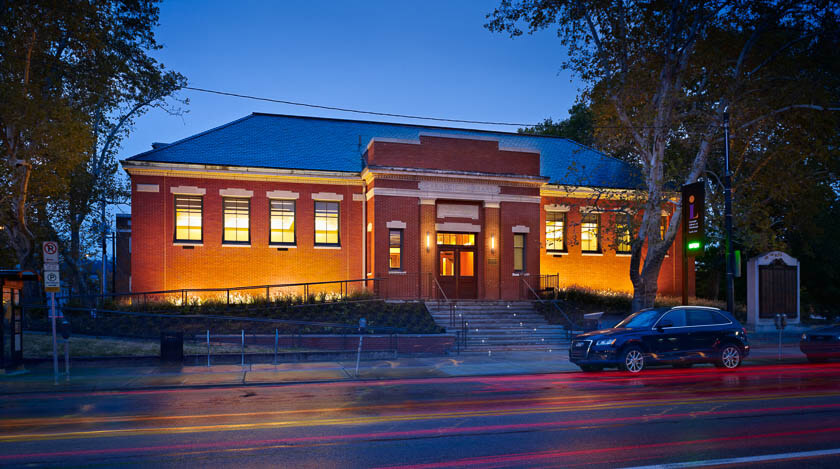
(323, 144)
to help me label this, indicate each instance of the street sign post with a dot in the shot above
(52, 285)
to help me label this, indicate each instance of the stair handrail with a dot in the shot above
(554, 303)
(448, 302)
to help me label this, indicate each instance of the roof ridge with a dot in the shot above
(191, 137)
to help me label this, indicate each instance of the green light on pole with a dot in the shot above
(694, 245)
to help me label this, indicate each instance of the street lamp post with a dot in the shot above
(727, 193)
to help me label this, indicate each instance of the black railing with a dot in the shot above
(571, 325)
(233, 295)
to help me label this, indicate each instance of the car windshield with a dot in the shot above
(641, 319)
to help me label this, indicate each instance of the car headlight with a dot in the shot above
(804, 336)
(605, 342)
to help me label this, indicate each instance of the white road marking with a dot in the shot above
(747, 459)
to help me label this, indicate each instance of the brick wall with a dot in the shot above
(456, 154)
(159, 264)
(608, 270)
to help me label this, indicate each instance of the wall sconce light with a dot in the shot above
(428, 241)
(493, 244)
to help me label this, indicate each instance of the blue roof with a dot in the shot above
(314, 143)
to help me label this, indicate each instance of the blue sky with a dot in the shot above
(431, 58)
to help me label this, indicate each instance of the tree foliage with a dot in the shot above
(577, 127)
(70, 74)
(661, 75)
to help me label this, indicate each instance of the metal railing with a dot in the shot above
(183, 296)
(571, 324)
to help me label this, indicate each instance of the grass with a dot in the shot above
(40, 346)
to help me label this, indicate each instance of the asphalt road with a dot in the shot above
(759, 416)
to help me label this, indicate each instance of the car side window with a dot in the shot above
(701, 317)
(677, 317)
(719, 318)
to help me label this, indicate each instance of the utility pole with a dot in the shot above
(727, 193)
(104, 249)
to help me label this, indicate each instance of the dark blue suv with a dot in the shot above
(680, 336)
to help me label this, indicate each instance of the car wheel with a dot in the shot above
(816, 359)
(591, 368)
(632, 360)
(729, 357)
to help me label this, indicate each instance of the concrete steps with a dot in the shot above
(501, 326)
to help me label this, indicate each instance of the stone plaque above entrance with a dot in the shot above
(457, 211)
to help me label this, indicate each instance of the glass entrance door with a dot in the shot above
(456, 264)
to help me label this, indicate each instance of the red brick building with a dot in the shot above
(272, 199)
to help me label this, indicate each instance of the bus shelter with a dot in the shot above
(11, 328)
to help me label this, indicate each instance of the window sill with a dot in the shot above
(181, 243)
(521, 274)
(594, 254)
(397, 272)
(326, 247)
(623, 254)
(230, 245)
(283, 246)
(557, 253)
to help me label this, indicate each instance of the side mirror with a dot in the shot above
(664, 323)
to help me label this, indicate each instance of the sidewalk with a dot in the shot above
(93, 376)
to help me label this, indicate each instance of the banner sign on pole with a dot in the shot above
(694, 215)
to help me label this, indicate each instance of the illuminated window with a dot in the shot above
(589, 232)
(466, 263)
(447, 263)
(623, 238)
(555, 228)
(663, 227)
(236, 214)
(518, 252)
(282, 213)
(457, 239)
(395, 249)
(188, 210)
(326, 224)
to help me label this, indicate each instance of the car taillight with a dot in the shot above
(744, 331)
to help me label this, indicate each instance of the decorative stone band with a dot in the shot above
(424, 201)
(396, 224)
(520, 229)
(232, 192)
(148, 188)
(457, 211)
(556, 208)
(286, 195)
(327, 196)
(358, 197)
(458, 227)
(188, 190)
(491, 205)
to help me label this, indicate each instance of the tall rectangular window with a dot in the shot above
(622, 236)
(326, 224)
(282, 221)
(555, 230)
(188, 210)
(395, 249)
(590, 227)
(236, 220)
(663, 226)
(518, 252)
